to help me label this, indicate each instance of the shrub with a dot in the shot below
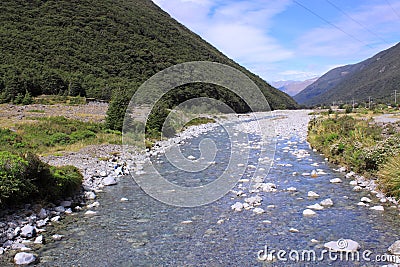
(389, 177)
(59, 139)
(67, 180)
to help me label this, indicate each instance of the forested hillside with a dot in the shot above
(376, 77)
(94, 48)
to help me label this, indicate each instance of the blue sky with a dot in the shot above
(291, 39)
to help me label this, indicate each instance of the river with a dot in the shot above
(146, 232)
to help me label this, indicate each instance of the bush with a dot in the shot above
(26, 177)
(389, 177)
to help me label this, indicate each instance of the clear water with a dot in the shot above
(145, 232)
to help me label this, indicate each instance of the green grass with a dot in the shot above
(360, 145)
(45, 135)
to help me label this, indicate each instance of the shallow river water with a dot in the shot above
(146, 232)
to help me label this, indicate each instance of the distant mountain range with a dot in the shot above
(376, 77)
(293, 87)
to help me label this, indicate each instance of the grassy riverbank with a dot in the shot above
(361, 145)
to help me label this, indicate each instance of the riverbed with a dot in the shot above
(142, 231)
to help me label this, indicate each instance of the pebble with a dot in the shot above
(55, 218)
(315, 207)
(187, 222)
(237, 206)
(89, 195)
(38, 240)
(312, 194)
(23, 258)
(57, 237)
(258, 211)
(377, 208)
(357, 188)
(345, 245)
(366, 200)
(293, 230)
(124, 199)
(327, 202)
(308, 212)
(90, 212)
(292, 189)
(335, 181)
(28, 231)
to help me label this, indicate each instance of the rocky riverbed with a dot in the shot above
(300, 193)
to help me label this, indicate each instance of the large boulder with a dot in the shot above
(342, 245)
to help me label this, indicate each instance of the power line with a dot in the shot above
(330, 23)
(394, 11)
(361, 25)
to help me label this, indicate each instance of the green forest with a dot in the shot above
(94, 48)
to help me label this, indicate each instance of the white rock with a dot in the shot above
(187, 222)
(57, 237)
(103, 173)
(220, 221)
(366, 200)
(90, 195)
(292, 189)
(109, 180)
(327, 202)
(267, 222)
(353, 182)
(38, 240)
(253, 200)
(293, 230)
(59, 209)
(314, 241)
(377, 208)
(395, 248)
(258, 211)
(90, 212)
(237, 206)
(28, 231)
(315, 207)
(42, 213)
(312, 194)
(345, 245)
(335, 180)
(55, 219)
(349, 175)
(306, 174)
(124, 199)
(308, 212)
(23, 258)
(362, 204)
(68, 211)
(93, 205)
(357, 188)
(191, 157)
(342, 169)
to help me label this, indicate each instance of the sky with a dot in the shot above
(291, 39)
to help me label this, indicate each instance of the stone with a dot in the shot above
(326, 202)
(59, 209)
(103, 174)
(292, 189)
(353, 182)
(55, 218)
(57, 237)
(90, 212)
(395, 248)
(335, 180)
(124, 199)
(377, 208)
(314, 241)
(313, 174)
(362, 204)
(24, 258)
(42, 213)
(28, 231)
(66, 203)
(315, 207)
(237, 206)
(109, 180)
(357, 188)
(308, 212)
(68, 211)
(187, 222)
(350, 174)
(93, 205)
(253, 200)
(312, 194)
(42, 223)
(258, 211)
(342, 245)
(293, 230)
(191, 157)
(366, 200)
(342, 169)
(90, 195)
(38, 240)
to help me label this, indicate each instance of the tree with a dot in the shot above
(117, 108)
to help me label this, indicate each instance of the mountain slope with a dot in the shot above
(93, 47)
(293, 87)
(377, 77)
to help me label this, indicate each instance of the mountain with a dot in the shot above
(96, 47)
(376, 77)
(293, 87)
